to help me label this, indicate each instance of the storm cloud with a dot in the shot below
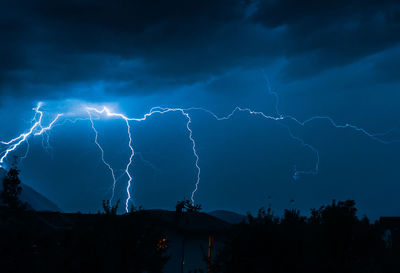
(50, 47)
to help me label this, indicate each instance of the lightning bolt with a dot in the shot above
(185, 112)
(154, 110)
(108, 113)
(146, 162)
(102, 155)
(38, 129)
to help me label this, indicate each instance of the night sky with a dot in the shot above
(332, 58)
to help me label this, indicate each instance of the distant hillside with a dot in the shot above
(228, 216)
(34, 199)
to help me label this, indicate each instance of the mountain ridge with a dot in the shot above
(33, 198)
(228, 216)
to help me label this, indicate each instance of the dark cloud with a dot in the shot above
(58, 44)
(331, 33)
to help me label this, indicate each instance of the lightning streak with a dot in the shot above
(154, 110)
(184, 112)
(374, 136)
(146, 162)
(14, 143)
(282, 117)
(102, 155)
(279, 118)
(37, 129)
(108, 113)
(128, 189)
(195, 154)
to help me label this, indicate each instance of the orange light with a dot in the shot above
(162, 244)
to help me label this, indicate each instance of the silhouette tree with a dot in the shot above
(12, 190)
(332, 239)
(109, 209)
(180, 205)
(133, 209)
(192, 207)
(188, 206)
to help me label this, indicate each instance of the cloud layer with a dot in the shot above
(121, 45)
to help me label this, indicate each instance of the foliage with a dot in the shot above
(133, 209)
(188, 206)
(109, 209)
(12, 190)
(64, 243)
(332, 239)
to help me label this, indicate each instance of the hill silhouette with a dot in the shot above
(228, 216)
(33, 198)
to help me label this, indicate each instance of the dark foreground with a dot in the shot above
(332, 239)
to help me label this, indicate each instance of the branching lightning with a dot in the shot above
(102, 155)
(108, 113)
(146, 162)
(38, 129)
(154, 110)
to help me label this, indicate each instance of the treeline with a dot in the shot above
(332, 239)
(40, 242)
(63, 243)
